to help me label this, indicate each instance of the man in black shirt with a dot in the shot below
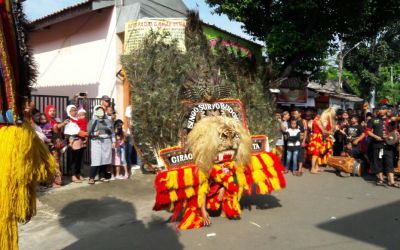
(355, 132)
(340, 133)
(378, 129)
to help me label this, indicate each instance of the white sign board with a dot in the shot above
(136, 30)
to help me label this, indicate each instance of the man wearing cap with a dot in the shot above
(378, 129)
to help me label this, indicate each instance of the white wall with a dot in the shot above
(77, 54)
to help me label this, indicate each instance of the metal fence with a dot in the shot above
(60, 103)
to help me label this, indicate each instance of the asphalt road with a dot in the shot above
(322, 211)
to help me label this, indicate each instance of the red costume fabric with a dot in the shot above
(186, 188)
(320, 146)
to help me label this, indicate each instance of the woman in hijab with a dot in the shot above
(102, 139)
(75, 140)
(55, 123)
(56, 127)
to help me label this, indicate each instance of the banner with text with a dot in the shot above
(136, 30)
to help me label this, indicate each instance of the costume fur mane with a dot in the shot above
(204, 141)
(328, 115)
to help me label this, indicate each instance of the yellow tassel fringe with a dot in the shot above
(24, 161)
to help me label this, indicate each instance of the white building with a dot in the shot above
(78, 48)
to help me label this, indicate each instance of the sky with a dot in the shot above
(37, 8)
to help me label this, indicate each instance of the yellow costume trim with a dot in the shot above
(270, 165)
(24, 161)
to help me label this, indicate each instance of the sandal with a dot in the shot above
(75, 179)
(395, 185)
(91, 181)
(380, 183)
(104, 180)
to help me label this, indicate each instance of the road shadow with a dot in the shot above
(379, 226)
(258, 201)
(111, 223)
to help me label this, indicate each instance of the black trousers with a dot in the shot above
(383, 161)
(102, 171)
(75, 160)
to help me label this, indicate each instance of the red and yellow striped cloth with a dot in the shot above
(185, 188)
(320, 148)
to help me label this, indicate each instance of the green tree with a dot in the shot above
(372, 60)
(300, 34)
(390, 90)
(348, 77)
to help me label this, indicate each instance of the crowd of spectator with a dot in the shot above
(110, 145)
(311, 138)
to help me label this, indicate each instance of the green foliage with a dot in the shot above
(371, 61)
(155, 71)
(249, 82)
(300, 34)
(390, 90)
(348, 77)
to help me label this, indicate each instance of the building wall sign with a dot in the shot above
(233, 44)
(136, 30)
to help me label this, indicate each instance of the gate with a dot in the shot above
(59, 102)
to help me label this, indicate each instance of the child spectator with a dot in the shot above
(36, 126)
(46, 127)
(82, 121)
(119, 151)
(293, 147)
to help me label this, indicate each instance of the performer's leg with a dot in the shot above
(314, 159)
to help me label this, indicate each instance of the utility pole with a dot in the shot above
(340, 69)
(341, 59)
